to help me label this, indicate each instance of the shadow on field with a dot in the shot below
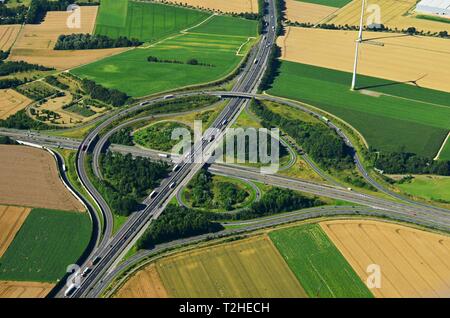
(386, 84)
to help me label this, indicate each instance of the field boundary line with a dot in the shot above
(446, 140)
(242, 45)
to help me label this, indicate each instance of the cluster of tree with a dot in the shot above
(9, 83)
(21, 120)
(110, 96)
(246, 15)
(52, 80)
(3, 55)
(405, 163)
(191, 61)
(122, 137)
(10, 67)
(176, 223)
(14, 15)
(275, 200)
(321, 143)
(129, 179)
(38, 9)
(5, 140)
(272, 70)
(206, 194)
(89, 42)
(281, 11)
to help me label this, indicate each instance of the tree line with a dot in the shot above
(175, 223)
(110, 96)
(90, 42)
(403, 163)
(320, 142)
(128, 180)
(21, 120)
(273, 68)
(191, 61)
(14, 15)
(11, 67)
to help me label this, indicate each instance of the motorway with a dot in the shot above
(112, 247)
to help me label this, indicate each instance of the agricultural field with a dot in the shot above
(419, 118)
(33, 180)
(317, 263)
(10, 289)
(11, 102)
(145, 21)
(8, 34)
(35, 42)
(403, 58)
(413, 263)
(240, 269)
(394, 14)
(11, 219)
(331, 3)
(434, 188)
(145, 283)
(46, 244)
(307, 12)
(229, 6)
(445, 152)
(217, 55)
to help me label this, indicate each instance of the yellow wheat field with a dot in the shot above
(24, 289)
(8, 34)
(145, 284)
(231, 6)
(35, 43)
(11, 102)
(398, 14)
(413, 263)
(11, 219)
(304, 12)
(422, 60)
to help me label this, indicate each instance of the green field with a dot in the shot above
(45, 245)
(445, 153)
(227, 25)
(330, 3)
(403, 117)
(432, 18)
(428, 187)
(144, 21)
(145, 78)
(319, 266)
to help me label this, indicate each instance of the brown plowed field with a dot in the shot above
(145, 284)
(24, 289)
(303, 12)
(35, 42)
(11, 102)
(30, 178)
(232, 6)
(413, 263)
(8, 34)
(425, 60)
(11, 219)
(398, 14)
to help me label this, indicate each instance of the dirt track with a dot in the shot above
(413, 263)
(24, 289)
(11, 219)
(35, 42)
(403, 58)
(30, 178)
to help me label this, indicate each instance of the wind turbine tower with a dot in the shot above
(358, 43)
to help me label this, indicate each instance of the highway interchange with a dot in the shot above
(109, 248)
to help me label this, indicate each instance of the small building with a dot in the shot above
(437, 7)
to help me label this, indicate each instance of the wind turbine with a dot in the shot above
(358, 42)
